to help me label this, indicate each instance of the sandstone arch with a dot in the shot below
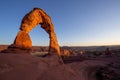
(30, 21)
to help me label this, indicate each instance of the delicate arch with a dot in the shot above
(30, 21)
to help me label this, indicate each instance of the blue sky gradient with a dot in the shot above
(76, 22)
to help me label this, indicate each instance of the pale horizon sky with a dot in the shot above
(76, 22)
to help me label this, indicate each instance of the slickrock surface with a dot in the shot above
(28, 67)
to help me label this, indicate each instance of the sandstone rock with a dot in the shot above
(28, 67)
(30, 21)
(65, 52)
(23, 40)
(17, 50)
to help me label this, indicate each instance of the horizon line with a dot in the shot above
(73, 45)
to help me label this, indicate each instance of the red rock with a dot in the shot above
(23, 40)
(30, 21)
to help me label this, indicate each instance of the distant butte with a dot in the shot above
(23, 43)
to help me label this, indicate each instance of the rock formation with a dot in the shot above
(23, 40)
(30, 21)
(28, 67)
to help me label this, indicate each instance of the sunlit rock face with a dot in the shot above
(30, 21)
(23, 40)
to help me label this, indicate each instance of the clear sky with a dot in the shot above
(76, 22)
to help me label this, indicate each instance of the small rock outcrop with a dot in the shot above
(30, 21)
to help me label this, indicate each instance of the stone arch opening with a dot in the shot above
(36, 17)
(39, 37)
(40, 40)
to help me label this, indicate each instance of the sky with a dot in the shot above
(76, 22)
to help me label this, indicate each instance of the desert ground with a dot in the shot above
(85, 66)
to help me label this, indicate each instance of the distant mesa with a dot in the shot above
(23, 43)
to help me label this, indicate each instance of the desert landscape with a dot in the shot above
(23, 59)
(93, 64)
